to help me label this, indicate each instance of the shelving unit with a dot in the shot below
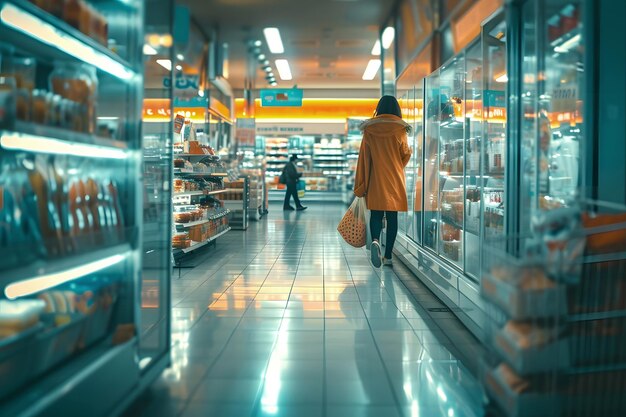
(238, 218)
(77, 185)
(189, 201)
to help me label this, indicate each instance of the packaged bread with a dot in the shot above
(19, 315)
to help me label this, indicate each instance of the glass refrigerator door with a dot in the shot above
(494, 101)
(451, 160)
(552, 90)
(410, 117)
(474, 181)
(418, 132)
(430, 195)
(406, 218)
(154, 334)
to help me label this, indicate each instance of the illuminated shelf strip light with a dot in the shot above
(41, 144)
(46, 33)
(44, 282)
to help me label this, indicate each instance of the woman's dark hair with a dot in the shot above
(388, 105)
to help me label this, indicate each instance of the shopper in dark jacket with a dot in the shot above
(291, 176)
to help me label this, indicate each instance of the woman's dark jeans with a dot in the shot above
(376, 226)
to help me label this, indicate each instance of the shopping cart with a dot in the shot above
(556, 304)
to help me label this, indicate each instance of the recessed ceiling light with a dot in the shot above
(267, 69)
(179, 67)
(274, 42)
(274, 84)
(258, 43)
(376, 48)
(388, 36)
(372, 69)
(180, 57)
(282, 65)
(266, 62)
(149, 50)
(165, 63)
(262, 57)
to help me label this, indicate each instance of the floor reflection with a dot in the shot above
(285, 319)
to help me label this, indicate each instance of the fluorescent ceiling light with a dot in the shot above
(502, 79)
(42, 144)
(165, 63)
(47, 281)
(388, 36)
(376, 48)
(179, 67)
(274, 84)
(258, 43)
(262, 57)
(372, 69)
(282, 65)
(47, 34)
(274, 42)
(148, 50)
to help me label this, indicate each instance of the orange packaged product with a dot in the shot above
(613, 241)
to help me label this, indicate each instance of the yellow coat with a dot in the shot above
(380, 170)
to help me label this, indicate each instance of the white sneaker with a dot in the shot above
(375, 256)
(387, 262)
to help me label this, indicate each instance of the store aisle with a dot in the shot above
(287, 320)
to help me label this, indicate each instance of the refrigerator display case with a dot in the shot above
(551, 113)
(465, 146)
(71, 206)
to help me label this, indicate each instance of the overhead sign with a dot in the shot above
(299, 128)
(282, 97)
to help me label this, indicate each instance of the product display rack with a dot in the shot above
(195, 234)
(237, 200)
(256, 204)
(76, 183)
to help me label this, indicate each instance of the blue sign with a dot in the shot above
(278, 97)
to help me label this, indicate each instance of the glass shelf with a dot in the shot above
(34, 29)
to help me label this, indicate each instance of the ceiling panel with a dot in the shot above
(327, 42)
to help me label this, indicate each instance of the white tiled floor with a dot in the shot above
(285, 319)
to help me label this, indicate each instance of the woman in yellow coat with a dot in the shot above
(380, 173)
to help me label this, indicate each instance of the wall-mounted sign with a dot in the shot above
(279, 97)
(300, 128)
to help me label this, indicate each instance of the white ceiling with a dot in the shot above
(328, 42)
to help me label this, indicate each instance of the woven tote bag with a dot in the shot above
(352, 226)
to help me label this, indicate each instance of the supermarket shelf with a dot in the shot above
(601, 315)
(56, 266)
(185, 193)
(199, 222)
(191, 224)
(191, 174)
(201, 244)
(197, 155)
(23, 24)
(54, 140)
(215, 192)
